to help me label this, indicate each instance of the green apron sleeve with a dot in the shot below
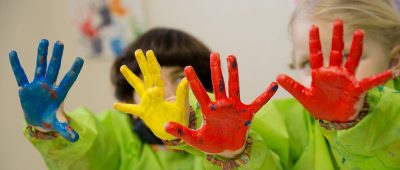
(396, 83)
(293, 135)
(97, 147)
(374, 143)
(260, 156)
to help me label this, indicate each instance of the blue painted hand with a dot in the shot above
(41, 98)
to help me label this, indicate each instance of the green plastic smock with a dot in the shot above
(285, 137)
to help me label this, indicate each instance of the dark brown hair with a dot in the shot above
(172, 48)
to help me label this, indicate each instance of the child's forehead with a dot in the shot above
(171, 69)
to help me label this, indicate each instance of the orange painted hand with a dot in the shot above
(226, 120)
(335, 91)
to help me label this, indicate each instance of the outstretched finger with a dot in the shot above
(233, 82)
(70, 78)
(188, 135)
(144, 67)
(182, 92)
(19, 72)
(297, 90)
(133, 80)
(41, 60)
(355, 52)
(197, 87)
(316, 58)
(337, 44)
(65, 131)
(371, 82)
(155, 69)
(216, 76)
(129, 108)
(263, 98)
(55, 62)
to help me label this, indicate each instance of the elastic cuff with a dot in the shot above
(41, 135)
(328, 125)
(235, 162)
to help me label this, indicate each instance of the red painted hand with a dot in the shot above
(334, 91)
(226, 120)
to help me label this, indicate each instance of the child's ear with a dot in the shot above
(395, 56)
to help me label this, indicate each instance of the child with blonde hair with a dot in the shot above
(361, 123)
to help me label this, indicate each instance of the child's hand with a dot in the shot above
(153, 109)
(335, 92)
(41, 98)
(226, 120)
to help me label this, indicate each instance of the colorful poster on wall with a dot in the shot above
(105, 27)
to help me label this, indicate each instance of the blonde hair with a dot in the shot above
(378, 18)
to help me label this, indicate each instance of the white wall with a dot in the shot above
(255, 31)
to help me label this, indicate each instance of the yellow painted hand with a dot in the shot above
(153, 109)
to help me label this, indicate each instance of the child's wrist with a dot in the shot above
(39, 133)
(48, 134)
(235, 161)
(363, 111)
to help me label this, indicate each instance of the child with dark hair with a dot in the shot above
(111, 140)
(174, 50)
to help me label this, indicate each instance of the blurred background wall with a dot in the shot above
(255, 31)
